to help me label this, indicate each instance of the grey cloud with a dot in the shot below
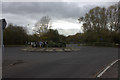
(56, 10)
(23, 13)
(35, 9)
(53, 9)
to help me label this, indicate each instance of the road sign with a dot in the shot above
(3, 23)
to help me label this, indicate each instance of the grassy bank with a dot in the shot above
(101, 44)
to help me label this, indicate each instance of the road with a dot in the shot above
(79, 64)
(0, 62)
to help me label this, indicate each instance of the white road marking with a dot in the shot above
(100, 74)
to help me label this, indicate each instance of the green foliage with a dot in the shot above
(14, 35)
(51, 35)
(74, 38)
(56, 44)
(32, 38)
(105, 44)
(101, 18)
(100, 25)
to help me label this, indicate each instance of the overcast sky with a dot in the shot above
(64, 15)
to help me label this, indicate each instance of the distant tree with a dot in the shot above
(94, 20)
(101, 25)
(77, 38)
(101, 18)
(51, 35)
(14, 35)
(62, 38)
(42, 25)
(119, 17)
(112, 17)
(33, 37)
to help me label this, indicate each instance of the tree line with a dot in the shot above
(17, 35)
(100, 25)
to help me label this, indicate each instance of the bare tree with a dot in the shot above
(42, 25)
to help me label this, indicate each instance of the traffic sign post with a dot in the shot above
(3, 24)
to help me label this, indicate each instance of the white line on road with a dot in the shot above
(100, 74)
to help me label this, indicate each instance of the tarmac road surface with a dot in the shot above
(79, 64)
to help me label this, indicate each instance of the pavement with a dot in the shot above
(85, 63)
(0, 62)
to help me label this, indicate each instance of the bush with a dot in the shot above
(56, 44)
(102, 44)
